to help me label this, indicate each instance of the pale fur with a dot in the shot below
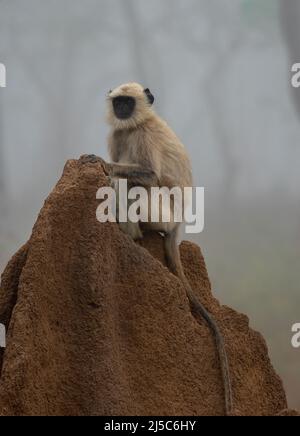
(147, 140)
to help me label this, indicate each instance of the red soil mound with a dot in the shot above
(98, 326)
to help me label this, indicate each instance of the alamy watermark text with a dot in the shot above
(296, 76)
(296, 336)
(2, 336)
(158, 205)
(2, 75)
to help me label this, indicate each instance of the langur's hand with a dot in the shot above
(91, 158)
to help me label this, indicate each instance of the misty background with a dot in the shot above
(220, 72)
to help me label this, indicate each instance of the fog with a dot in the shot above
(221, 75)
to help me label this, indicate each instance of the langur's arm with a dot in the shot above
(134, 173)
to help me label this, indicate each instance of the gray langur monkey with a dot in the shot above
(145, 151)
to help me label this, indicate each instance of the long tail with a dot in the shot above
(175, 265)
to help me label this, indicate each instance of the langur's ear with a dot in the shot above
(149, 96)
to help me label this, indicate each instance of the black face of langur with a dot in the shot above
(124, 106)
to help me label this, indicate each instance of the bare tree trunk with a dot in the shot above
(2, 176)
(225, 146)
(3, 188)
(290, 23)
(221, 130)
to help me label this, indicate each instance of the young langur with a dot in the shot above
(146, 152)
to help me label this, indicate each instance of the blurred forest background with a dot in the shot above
(221, 75)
